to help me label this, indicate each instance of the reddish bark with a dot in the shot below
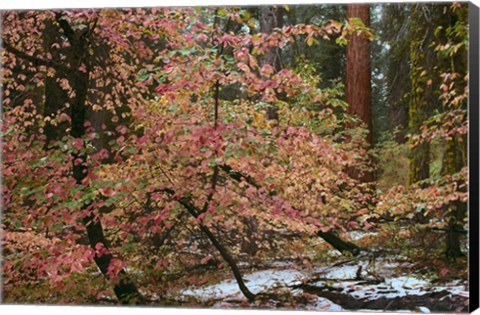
(358, 78)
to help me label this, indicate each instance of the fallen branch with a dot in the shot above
(442, 301)
(339, 244)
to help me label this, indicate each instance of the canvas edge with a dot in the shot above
(473, 112)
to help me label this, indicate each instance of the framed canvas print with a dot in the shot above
(301, 157)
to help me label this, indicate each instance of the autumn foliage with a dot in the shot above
(174, 144)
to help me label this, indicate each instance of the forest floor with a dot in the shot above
(361, 283)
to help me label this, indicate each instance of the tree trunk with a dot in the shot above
(422, 97)
(55, 95)
(271, 17)
(456, 210)
(425, 63)
(419, 159)
(249, 241)
(230, 261)
(195, 212)
(358, 80)
(339, 244)
(456, 152)
(394, 23)
(125, 290)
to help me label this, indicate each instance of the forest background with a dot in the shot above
(377, 137)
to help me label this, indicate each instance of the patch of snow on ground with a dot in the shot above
(341, 278)
(334, 253)
(392, 288)
(424, 309)
(344, 272)
(256, 283)
(358, 235)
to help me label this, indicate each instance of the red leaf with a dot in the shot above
(206, 259)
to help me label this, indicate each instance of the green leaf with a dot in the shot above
(311, 41)
(56, 227)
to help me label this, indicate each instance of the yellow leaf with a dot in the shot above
(310, 41)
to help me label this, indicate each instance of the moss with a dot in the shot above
(418, 108)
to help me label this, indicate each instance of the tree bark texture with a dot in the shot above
(55, 99)
(456, 210)
(271, 17)
(195, 212)
(55, 95)
(456, 153)
(358, 89)
(358, 80)
(339, 244)
(422, 98)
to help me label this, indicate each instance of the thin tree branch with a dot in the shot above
(195, 212)
(36, 61)
(329, 236)
(215, 117)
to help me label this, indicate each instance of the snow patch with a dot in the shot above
(391, 287)
(340, 278)
(424, 309)
(358, 235)
(256, 283)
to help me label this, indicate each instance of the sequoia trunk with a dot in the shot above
(358, 76)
